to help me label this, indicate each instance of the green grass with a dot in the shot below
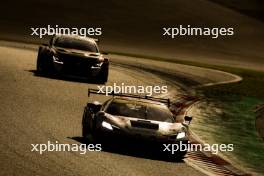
(236, 123)
(238, 100)
(252, 84)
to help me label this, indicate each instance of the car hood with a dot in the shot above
(79, 53)
(147, 126)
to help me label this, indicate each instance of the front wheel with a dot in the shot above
(87, 127)
(103, 75)
(40, 61)
(85, 131)
(44, 61)
(88, 135)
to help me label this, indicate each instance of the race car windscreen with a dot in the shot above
(77, 44)
(140, 110)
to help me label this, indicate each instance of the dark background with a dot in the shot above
(136, 26)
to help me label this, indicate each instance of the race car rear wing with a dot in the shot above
(161, 100)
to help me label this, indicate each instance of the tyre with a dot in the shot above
(39, 61)
(103, 75)
(85, 131)
(86, 124)
(176, 156)
(181, 155)
(44, 62)
(88, 136)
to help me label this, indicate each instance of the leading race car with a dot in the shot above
(73, 55)
(126, 117)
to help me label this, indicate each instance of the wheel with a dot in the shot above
(87, 124)
(179, 156)
(103, 75)
(44, 62)
(84, 131)
(40, 60)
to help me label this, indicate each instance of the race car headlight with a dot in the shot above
(181, 135)
(107, 125)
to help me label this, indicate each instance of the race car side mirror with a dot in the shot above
(188, 119)
(94, 107)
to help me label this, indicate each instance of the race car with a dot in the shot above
(74, 56)
(127, 117)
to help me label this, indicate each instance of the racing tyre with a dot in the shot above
(44, 63)
(103, 75)
(85, 131)
(87, 126)
(179, 156)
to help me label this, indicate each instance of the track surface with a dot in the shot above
(36, 110)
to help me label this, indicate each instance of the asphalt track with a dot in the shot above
(37, 109)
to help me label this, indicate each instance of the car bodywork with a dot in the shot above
(126, 117)
(74, 56)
